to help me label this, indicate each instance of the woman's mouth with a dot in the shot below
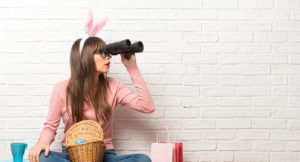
(107, 65)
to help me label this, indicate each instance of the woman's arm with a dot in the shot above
(48, 133)
(142, 101)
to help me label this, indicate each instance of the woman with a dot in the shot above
(90, 94)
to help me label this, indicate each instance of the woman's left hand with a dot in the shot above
(128, 59)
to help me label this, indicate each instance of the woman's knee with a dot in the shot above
(143, 158)
(43, 158)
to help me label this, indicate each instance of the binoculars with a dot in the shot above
(123, 46)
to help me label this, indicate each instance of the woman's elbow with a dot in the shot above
(149, 110)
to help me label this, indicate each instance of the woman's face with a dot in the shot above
(102, 64)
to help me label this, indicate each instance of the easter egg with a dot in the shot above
(78, 141)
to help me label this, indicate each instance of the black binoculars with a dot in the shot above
(123, 46)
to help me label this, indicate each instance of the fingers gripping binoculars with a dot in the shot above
(123, 46)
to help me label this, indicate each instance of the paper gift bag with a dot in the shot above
(178, 150)
(163, 152)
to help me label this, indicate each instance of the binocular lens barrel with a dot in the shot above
(137, 47)
(117, 47)
(123, 46)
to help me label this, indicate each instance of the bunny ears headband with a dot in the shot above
(91, 30)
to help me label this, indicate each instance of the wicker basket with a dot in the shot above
(90, 151)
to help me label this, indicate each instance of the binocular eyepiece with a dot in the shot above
(123, 46)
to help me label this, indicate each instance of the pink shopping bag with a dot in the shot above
(163, 152)
(178, 150)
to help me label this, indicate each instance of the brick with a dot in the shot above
(295, 15)
(200, 37)
(182, 113)
(294, 59)
(217, 91)
(276, 124)
(182, 69)
(293, 124)
(253, 91)
(215, 113)
(190, 156)
(185, 4)
(286, 114)
(294, 102)
(182, 48)
(25, 123)
(158, 79)
(193, 80)
(235, 37)
(187, 26)
(234, 146)
(229, 4)
(236, 15)
(252, 113)
(254, 48)
(233, 123)
(192, 59)
(199, 145)
(188, 135)
(286, 135)
(270, 37)
(234, 80)
(269, 80)
(130, 145)
(158, 124)
(253, 134)
(293, 146)
(269, 146)
(208, 48)
(234, 101)
(196, 124)
(252, 156)
(167, 101)
(126, 113)
(217, 134)
(257, 4)
(282, 4)
(285, 156)
(199, 102)
(253, 69)
(286, 26)
(218, 26)
(258, 27)
(216, 156)
(269, 101)
(286, 91)
(271, 15)
(270, 59)
(166, 58)
(285, 47)
(199, 14)
(285, 69)
(217, 69)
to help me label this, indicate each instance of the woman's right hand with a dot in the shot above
(34, 154)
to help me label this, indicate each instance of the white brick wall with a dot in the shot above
(224, 74)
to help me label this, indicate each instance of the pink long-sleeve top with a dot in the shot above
(120, 94)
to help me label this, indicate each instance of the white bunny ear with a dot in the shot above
(88, 27)
(99, 25)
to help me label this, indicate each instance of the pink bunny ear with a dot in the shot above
(99, 25)
(89, 23)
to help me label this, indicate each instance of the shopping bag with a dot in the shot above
(163, 152)
(178, 150)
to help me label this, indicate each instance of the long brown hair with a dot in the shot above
(81, 86)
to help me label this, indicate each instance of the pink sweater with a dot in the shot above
(142, 101)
